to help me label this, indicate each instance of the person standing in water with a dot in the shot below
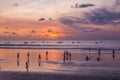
(113, 54)
(67, 55)
(99, 52)
(64, 56)
(28, 56)
(87, 58)
(98, 59)
(70, 56)
(46, 55)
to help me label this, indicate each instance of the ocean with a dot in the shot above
(55, 62)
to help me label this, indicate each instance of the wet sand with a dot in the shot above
(53, 76)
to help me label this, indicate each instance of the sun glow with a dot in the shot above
(53, 35)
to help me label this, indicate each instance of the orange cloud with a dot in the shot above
(50, 29)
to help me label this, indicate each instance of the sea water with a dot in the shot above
(56, 63)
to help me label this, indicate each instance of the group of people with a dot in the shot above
(28, 59)
(66, 56)
(99, 54)
(27, 62)
(88, 58)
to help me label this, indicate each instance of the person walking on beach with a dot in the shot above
(87, 58)
(46, 55)
(64, 56)
(99, 52)
(113, 54)
(70, 56)
(98, 59)
(18, 55)
(67, 55)
(39, 59)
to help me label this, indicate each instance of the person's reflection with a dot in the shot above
(0, 68)
(27, 66)
(70, 57)
(18, 55)
(39, 59)
(113, 54)
(64, 56)
(46, 55)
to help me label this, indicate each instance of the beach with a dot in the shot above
(66, 63)
(54, 76)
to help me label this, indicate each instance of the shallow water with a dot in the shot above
(62, 44)
(55, 63)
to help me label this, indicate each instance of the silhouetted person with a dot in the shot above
(27, 66)
(87, 58)
(99, 52)
(67, 55)
(98, 59)
(28, 55)
(46, 55)
(113, 54)
(70, 57)
(64, 56)
(18, 55)
(113, 51)
(39, 59)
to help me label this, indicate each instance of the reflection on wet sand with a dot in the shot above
(67, 56)
(39, 59)
(18, 55)
(47, 58)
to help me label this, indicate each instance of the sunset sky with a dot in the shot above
(59, 19)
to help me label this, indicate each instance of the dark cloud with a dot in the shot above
(86, 5)
(16, 5)
(87, 29)
(41, 19)
(14, 33)
(97, 17)
(102, 16)
(5, 32)
(50, 19)
(82, 5)
(72, 20)
(50, 30)
(33, 31)
(118, 2)
(74, 23)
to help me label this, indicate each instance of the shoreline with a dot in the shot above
(56, 47)
(11, 75)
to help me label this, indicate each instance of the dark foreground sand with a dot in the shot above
(53, 76)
